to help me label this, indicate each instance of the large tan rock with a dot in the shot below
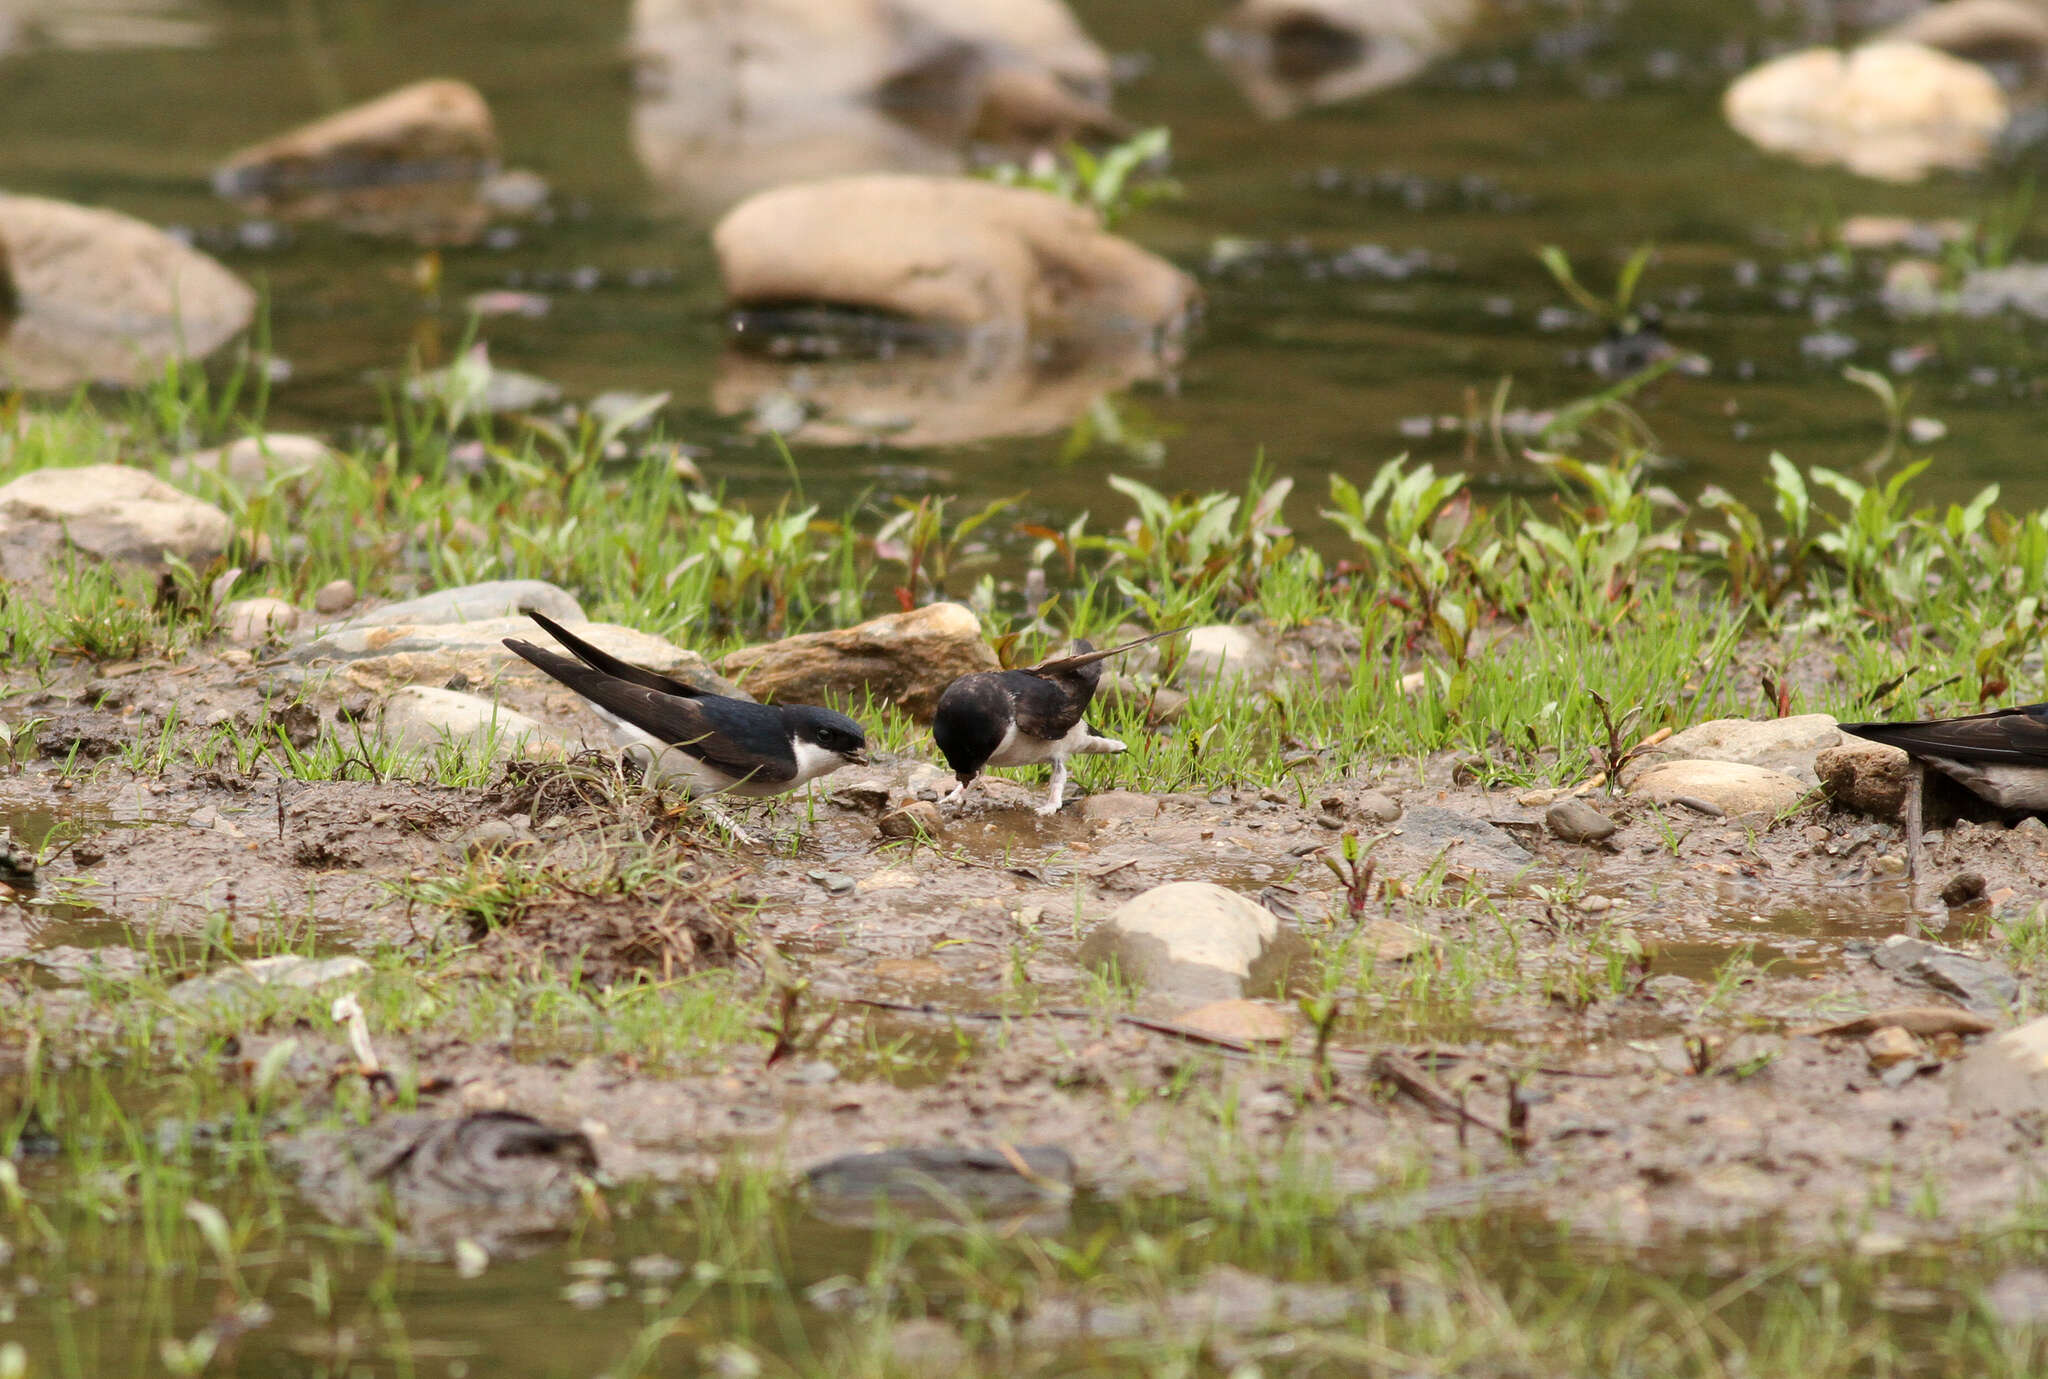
(109, 511)
(424, 718)
(1781, 744)
(100, 297)
(905, 659)
(1888, 110)
(1288, 55)
(737, 98)
(953, 251)
(1729, 786)
(2003, 33)
(1195, 939)
(411, 162)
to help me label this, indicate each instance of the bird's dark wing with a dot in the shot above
(1045, 706)
(1063, 665)
(2017, 736)
(610, 664)
(737, 737)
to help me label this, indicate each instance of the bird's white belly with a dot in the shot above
(2008, 787)
(670, 767)
(1018, 748)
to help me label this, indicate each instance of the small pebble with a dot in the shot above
(1378, 807)
(1329, 821)
(1963, 887)
(1595, 905)
(336, 596)
(2032, 826)
(1890, 864)
(1817, 835)
(1889, 1046)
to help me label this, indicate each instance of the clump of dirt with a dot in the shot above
(613, 934)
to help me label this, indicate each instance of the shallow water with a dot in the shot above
(1594, 127)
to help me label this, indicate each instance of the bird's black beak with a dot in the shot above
(858, 757)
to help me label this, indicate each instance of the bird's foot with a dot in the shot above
(1048, 809)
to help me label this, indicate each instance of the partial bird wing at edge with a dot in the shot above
(2017, 735)
(687, 724)
(611, 665)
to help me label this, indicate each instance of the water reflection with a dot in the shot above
(988, 385)
(1289, 55)
(737, 97)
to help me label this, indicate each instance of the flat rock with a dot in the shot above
(1118, 804)
(1473, 845)
(1869, 777)
(1731, 787)
(1891, 110)
(958, 253)
(378, 657)
(412, 162)
(905, 659)
(1778, 744)
(104, 510)
(101, 297)
(255, 620)
(250, 463)
(1980, 985)
(424, 718)
(919, 818)
(1198, 940)
(2007, 1072)
(1254, 1022)
(494, 598)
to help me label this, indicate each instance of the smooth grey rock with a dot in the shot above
(1474, 846)
(1379, 807)
(1575, 821)
(496, 598)
(106, 510)
(423, 718)
(1199, 940)
(1980, 985)
(1778, 744)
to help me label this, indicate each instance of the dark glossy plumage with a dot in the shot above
(753, 749)
(2017, 736)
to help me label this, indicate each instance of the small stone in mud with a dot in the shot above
(1250, 1021)
(1890, 1046)
(867, 796)
(1575, 821)
(1868, 777)
(1197, 939)
(919, 818)
(17, 863)
(1333, 822)
(1889, 864)
(335, 596)
(1963, 887)
(1378, 807)
(1978, 984)
(255, 620)
(492, 835)
(834, 882)
(1118, 804)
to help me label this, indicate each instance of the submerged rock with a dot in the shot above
(491, 1178)
(905, 659)
(105, 510)
(100, 297)
(1196, 939)
(943, 1181)
(412, 162)
(1890, 110)
(1869, 777)
(957, 252)
(423, 718)
(1731, 787)
(1980, 985)
(1288, 55)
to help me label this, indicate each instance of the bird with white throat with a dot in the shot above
(1026, 717)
